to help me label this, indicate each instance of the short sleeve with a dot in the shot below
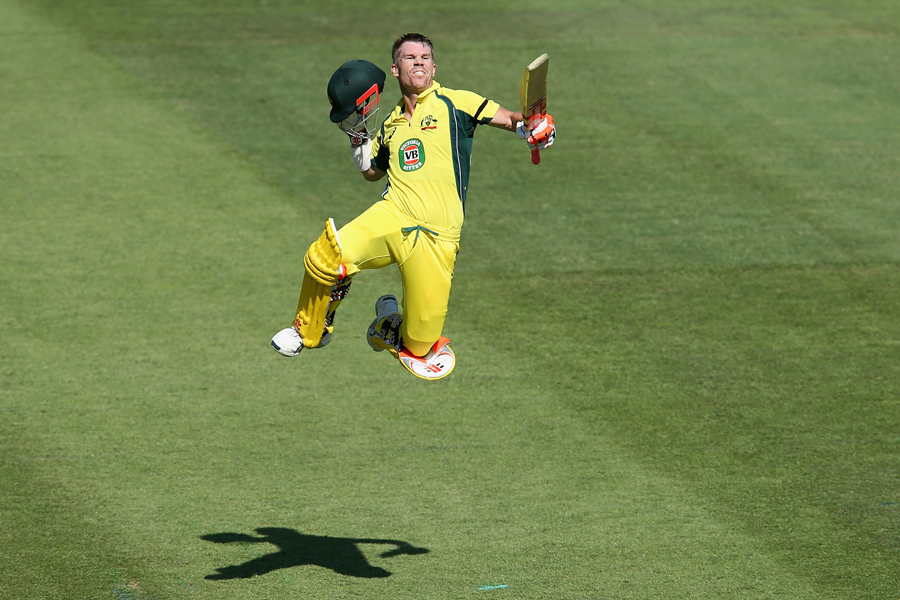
(478, 107)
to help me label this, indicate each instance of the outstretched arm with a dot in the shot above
(402, 547)
(542, 136)
(228, 538)
(506, 119)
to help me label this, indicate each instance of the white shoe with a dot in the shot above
(288, 342)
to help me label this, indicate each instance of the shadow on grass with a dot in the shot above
(296, 549)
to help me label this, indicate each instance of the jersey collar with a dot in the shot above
(401, 106)
(434, 85)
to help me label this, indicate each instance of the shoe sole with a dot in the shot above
(437, 364)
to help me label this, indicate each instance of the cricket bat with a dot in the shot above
(533, 94)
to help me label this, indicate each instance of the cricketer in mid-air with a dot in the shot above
(424, 147)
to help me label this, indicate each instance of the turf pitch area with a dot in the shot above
(678, 337)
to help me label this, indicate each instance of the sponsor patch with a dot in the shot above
(412, 155)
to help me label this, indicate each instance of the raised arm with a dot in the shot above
(542, 136)
(506, 119)
(362, 155)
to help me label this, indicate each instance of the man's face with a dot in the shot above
(414, 67)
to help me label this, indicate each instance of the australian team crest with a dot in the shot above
(428, 122)
(412, 155)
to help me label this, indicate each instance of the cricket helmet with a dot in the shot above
(355, 88)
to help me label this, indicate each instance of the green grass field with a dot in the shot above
(678, 338)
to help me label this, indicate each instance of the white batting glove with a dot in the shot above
(362, 153)
(541, 137)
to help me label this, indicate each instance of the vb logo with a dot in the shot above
(412, 155)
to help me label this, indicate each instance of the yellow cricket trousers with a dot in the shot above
(383, 235)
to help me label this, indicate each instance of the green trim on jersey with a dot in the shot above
(462, 147)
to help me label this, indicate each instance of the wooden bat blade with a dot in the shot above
(533, 87)
(533, 95)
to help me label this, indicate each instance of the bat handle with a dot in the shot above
(533, 122)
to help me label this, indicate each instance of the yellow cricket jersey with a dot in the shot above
(427, 158)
